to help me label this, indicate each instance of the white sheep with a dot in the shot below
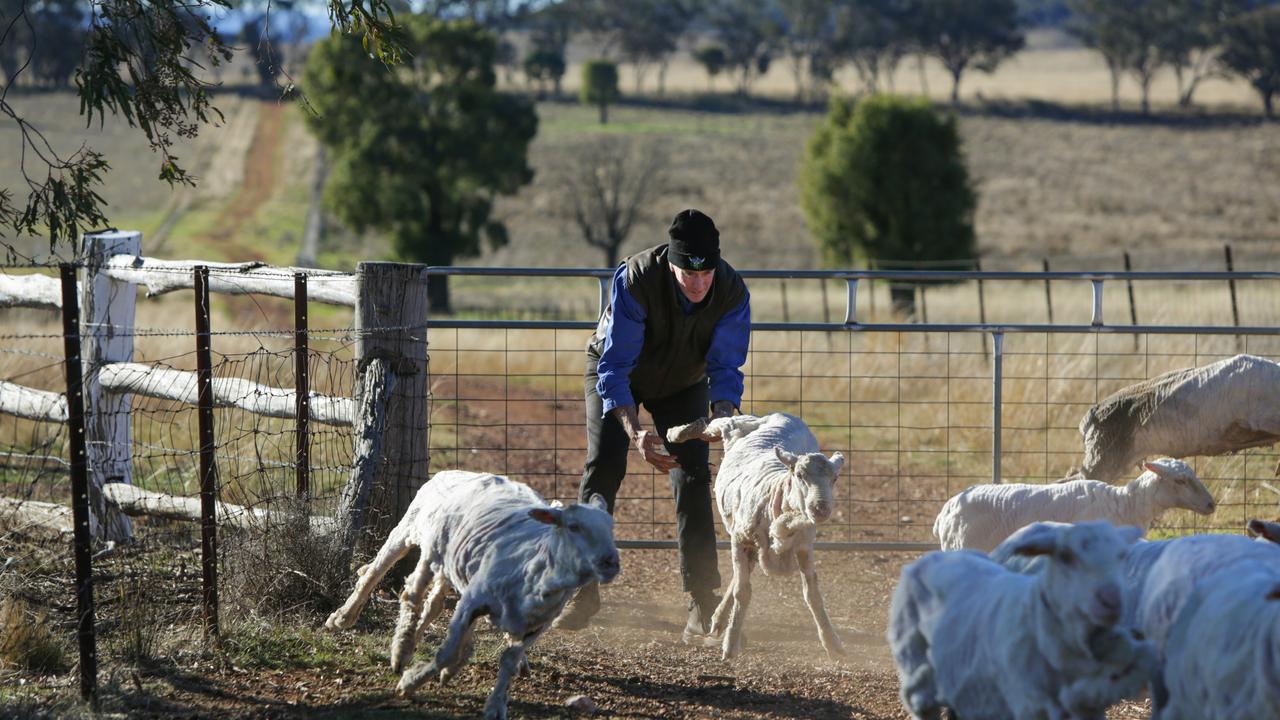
(1223, 651)
(773, 488)
(971, 636)
(1185, 563)
(1138, 562)
(511, 556)
(1230, 405)
(980, 517)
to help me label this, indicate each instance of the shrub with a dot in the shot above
(26, 641)
(600, 85)
(884, 179)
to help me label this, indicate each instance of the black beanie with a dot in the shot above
(695, 242)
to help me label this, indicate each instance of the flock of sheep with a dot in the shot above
(1068, 614)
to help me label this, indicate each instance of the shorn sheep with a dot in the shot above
(984, 642)
(511, 556)
(1223, 651)
(982, 516)
(773, 488)
(1230, 405)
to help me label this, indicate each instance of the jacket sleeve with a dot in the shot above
(728, 353)
(623, 338)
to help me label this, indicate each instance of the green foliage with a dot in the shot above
(885, 179)
(599, 85)
(1251, 49)
(748, 31)
(543, 65)
(711, 58)
(135, 67)
(966, 33)
(421, 152)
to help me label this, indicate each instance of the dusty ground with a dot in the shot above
(631, 663)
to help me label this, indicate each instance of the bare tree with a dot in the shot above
(607, 185)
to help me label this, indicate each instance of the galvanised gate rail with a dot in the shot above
(851, 323)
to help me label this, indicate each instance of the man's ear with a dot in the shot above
(550, 516)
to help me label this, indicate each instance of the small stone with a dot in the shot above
(581, 703)
(905, 519)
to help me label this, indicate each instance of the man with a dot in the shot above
(673, 339)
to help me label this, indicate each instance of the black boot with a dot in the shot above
(578, 612)
(702, 605)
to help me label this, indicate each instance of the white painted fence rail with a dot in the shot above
(132, 500)
(181, 385)
(164, 276)
(40, 291)
(31, 403)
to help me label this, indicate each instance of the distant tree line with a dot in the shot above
(742, 39)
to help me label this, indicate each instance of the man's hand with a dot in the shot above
(721, 409)
(654, 452)
(648, 443)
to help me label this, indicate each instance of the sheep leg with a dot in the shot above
(432, 608)
(396, 547)
(447, 674)
(813, 598)
(741, 591)
(495, 708)
(405, 639)
(721, 615)
(451, 650)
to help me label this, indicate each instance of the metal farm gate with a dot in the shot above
(921, 410)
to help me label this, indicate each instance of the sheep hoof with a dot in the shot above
(337, 621)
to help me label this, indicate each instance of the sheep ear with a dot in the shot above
(598, 502)
(1129, 534)
(550, 516)
(1274, 594)
(1156, 468)
(1039, 540)
(837, 462)
(787, 458)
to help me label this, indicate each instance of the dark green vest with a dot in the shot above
(674, 355)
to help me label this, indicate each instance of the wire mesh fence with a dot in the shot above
(914, 408)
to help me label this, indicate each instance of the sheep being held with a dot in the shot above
(511, 556)
(1230, 405)
(971, 636)
(982, 516)
(773, 488)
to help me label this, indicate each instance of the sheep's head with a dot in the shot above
(588, 530)
(1263, 530)
(1084, 568)
(1178, 486)
(812, 482)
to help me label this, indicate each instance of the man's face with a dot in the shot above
(695, 284)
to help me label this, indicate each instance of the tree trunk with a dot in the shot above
(1115, 87)
(1266, 105)
(604, 113)
(611, 256)
(438, 295)
(924, 82)
(902, 297)
(662, 78)
(1146, 93)
(955, 86)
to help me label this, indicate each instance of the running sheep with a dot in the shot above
(971, 636)
(1222, 650)
(511, 556)
(982, 516)
(1230, 405)
(773, 488)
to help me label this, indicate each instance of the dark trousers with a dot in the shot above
(608, 447)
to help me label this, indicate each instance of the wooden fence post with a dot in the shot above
(1231, 285)
(391, 317)
(107, 315)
